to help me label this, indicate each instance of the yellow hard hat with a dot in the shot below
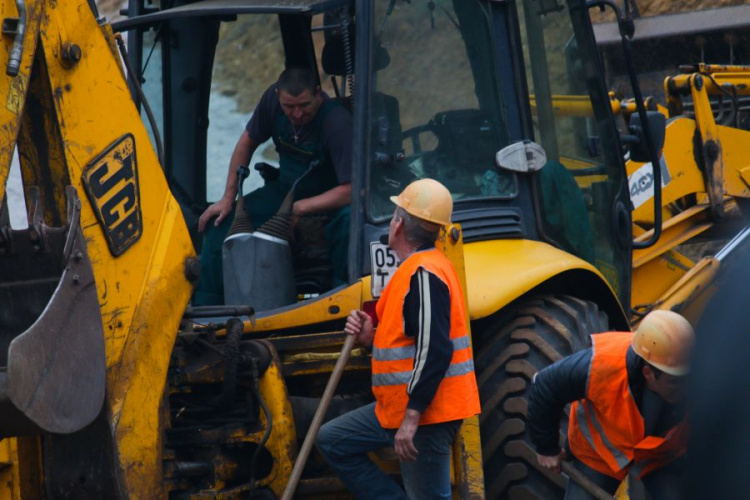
(664, 339)
(426, 199)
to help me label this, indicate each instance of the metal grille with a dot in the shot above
(489, 223)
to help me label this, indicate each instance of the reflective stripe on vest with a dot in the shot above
(401, 378)
(408, 352)
(395, 356)
(582, 412)
(606, 430)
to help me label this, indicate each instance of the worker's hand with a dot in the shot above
(299, 208)
(298, 211)
(551, 462)
(403, 443)
(220, 210)
(359, 324)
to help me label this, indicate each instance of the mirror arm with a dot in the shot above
(627, 29)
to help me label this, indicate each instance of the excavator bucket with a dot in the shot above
(52, 363)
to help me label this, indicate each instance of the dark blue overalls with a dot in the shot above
(264, 202)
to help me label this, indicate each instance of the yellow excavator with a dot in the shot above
(112, 385)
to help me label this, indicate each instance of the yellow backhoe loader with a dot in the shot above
(112, 385)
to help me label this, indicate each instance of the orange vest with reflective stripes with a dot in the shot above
(606, 430)
(393, 352)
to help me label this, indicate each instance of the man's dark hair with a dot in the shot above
(297, 79)
(417, 231)
(656, 371)
(640, 363)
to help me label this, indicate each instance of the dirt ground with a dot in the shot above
(110, 8)
(656, 7)
(233, 79)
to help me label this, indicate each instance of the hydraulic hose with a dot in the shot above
(269, 422)
(16, 52)
(141, 97)
(217, 311)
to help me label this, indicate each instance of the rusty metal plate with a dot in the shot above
(56, 370)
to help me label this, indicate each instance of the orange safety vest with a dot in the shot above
(393, 352)
(606, 430)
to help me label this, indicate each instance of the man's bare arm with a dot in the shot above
(334, 198)
(243, 152)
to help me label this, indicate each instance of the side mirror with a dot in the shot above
(523, 157)
(657, 124)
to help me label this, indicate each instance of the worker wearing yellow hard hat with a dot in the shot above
(428, 200)
(422, 367)
(627, 414)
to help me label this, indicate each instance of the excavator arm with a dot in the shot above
(94, 289)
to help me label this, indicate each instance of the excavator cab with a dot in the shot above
(211, 404)
(428, 100)
(204, 88)
(118, 388)
(436, 89)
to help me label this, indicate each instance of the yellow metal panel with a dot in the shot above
(41, 149)
(685, 177)
(736, 76)
(497, 272)
(9, 481)
(654, 278)
(467, 459)
(711, 150)
(734, 143)
(676, 230)
(21, 468)
(691, 287)
(143, 292)
(574, 164)
(282, 442)
(335, 306)
(13, 89)
(575, 105)
(467, 448)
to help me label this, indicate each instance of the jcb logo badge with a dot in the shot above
(111, 182)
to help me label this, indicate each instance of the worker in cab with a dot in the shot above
(628, 408)
(422, 367)
(309, 130)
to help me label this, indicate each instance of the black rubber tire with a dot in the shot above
(511, 349)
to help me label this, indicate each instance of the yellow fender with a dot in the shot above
(499, 272)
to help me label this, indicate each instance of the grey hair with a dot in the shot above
(417, 231)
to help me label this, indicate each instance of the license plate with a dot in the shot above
(384, 264)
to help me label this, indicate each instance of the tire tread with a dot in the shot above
(514, 348)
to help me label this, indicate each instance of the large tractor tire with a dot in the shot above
(511, 349)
